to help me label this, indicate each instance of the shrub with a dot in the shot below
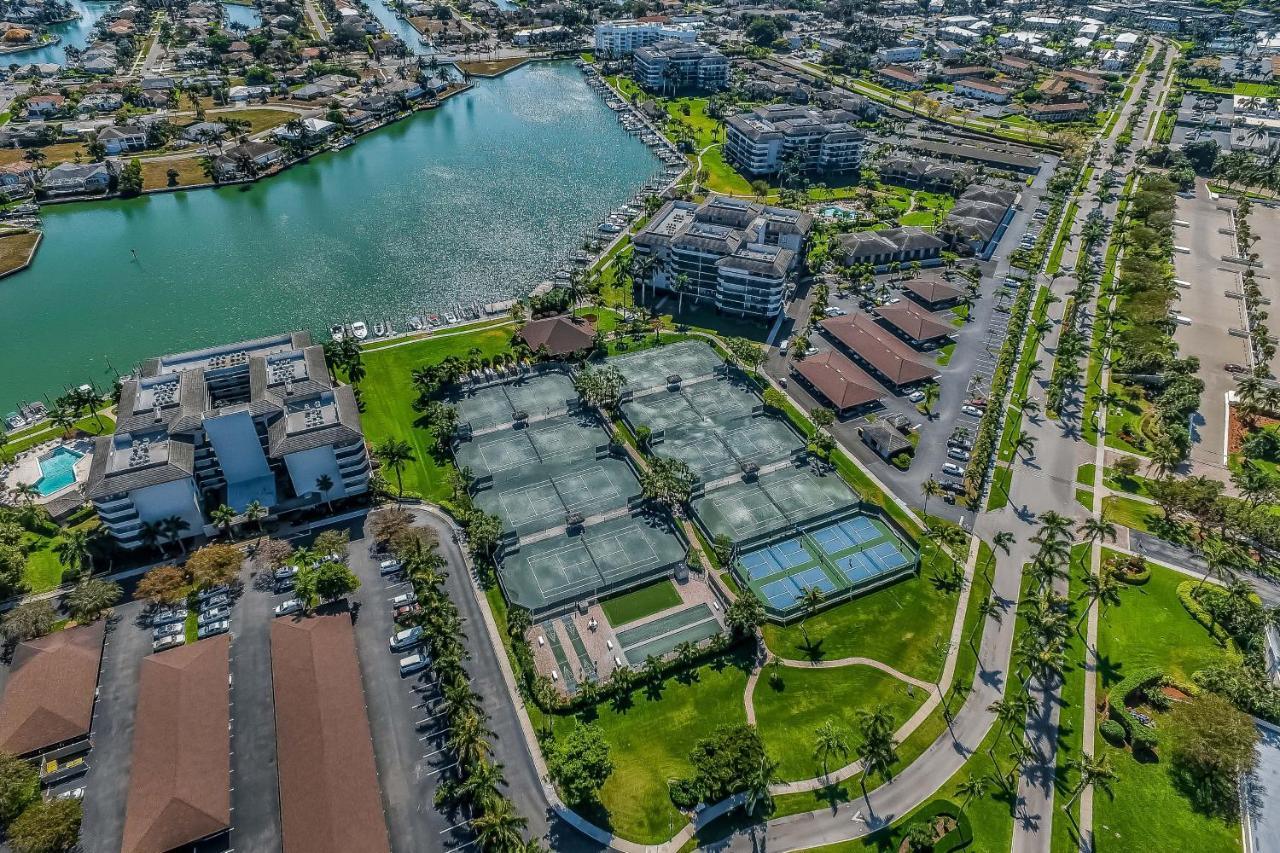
(1112, 731)
(1186, 591)
(1140, 735)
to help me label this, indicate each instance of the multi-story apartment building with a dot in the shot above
(252, 422)
(622, 38)
(736, 255)
(674, 65)
(760, 141)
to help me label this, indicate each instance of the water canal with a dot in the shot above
(473, 202)
(75, 34)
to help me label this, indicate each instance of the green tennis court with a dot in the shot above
(650, 368)
(541, 394)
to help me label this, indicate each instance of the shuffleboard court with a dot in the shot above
(663, 625)
(659, 646)
(650, 368)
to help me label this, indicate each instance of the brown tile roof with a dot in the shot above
(933, 290)
(180, 779)
(329, 793)
(915, 322)
(560, 335)
(838, 379)
(891, 357)
(49, 697)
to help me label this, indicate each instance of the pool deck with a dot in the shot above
(26, 467)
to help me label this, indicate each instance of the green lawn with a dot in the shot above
(44, 569)
(388, 396)
(894, 625)
(640, 603)
(649, 744)
(1001, 481)
(1084, 497)
(1129, 512)
(1127, 417)
(21, 440)
(1065, 839)
(788, 717)
(1151, 628)
(1135, 485)
(191, 627)
(1086, 473)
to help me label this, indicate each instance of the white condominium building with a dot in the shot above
(621, 38)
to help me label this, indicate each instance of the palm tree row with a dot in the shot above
(476, 782)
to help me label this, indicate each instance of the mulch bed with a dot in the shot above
(1238, 431)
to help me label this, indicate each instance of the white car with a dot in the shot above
(413, 663)
(212, 629)
(953, 469)
(971, 411)
(915, 396)
(389, 567)
(958, 453)
(170, 642)
(73, 794)
(168, 616)
(293, 605)
(405, 639)
(404, 598)
(168, 630)
(213, 614)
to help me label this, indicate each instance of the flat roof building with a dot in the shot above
(672, 66)
(622, 38)
(735, 254)
(760, 141)
(180, 776)
(257, 421)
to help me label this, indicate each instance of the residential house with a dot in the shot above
(76, 179)
(234, 162)
(44, 106)
(204, 131)
(1067, 111)
(118, 139)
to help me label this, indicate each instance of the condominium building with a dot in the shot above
(674, 65)
(736, 255)
(759, 142)
(622, 38)
(252, 422)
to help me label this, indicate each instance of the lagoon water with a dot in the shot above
(470, 203)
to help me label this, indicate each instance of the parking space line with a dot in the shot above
(455, 826)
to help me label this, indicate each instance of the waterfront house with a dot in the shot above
(410, 90)
(244, 94)
(313, 130)
(257, 421)
(204, 131)
(76, 179)
(119, 139)
(17, 174)
(99, 64)
(234, 162)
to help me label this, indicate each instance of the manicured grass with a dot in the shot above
(389, 394)
(259, 118)
(61, 152)
(1129, 512)
(721, 177)
(44, 569)
(26, 439)
(1239, 87)
(155, 173)
(1135, 485)
(1151, 628)
(789, 716)
(894, 625)
(1127, 416)
(1086, 474)
(1065, 838)
(191, 628)
(640, 603)
(15, 249)
(1001, 481)
(649, 744)
(1084, 497)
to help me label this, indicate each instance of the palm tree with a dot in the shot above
(91, 598)
(1102, 589)
(151, 534)
(831, 740)
(680, 284)
(498, 827)
(75, 549)
(255, 512)
(173, 528)
(396, 453)
(469, 740)
(878, 745)
(324, 484)
(931, 394)
(1026, 444)
(971, 788)
(1097, 772)
(988, 608)
(1094, 529)
(810, 599)
(930, 488)
(1053, 524)
(1031, 408)
(223, 516)
(1002, 540)
(480, 788)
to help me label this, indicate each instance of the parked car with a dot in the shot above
(1232, 367)
(953, 488)
(405, 612)
(953, 469)
(405, 639)
(404, 598)
(971, 411)
(73, 794)
(213, 592)
(168, 630)
(213, 615)
(170, 642)
(285, 608)
(168, 616)
(962, 443)
(958, 453)
(285, 573)
(214, 628)
(916, 396)
(413, 663)
(220, 600)
(389, 567)
(811, 351)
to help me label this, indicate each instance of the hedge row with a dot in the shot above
(1141, 736)
(1186, 594)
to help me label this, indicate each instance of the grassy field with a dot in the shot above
(53, 154)
(155, 173)
(389, 394)
(15, 249)
(649, 744)
(44, 569)
(640, 603)
(1129, 512)
(259, 119)
(1151, 628)
(28, 438)
(789, 715)
(721, 177)
(1065, 838)
(893, 625)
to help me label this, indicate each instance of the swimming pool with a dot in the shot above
(836, 212)
(57, 471)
